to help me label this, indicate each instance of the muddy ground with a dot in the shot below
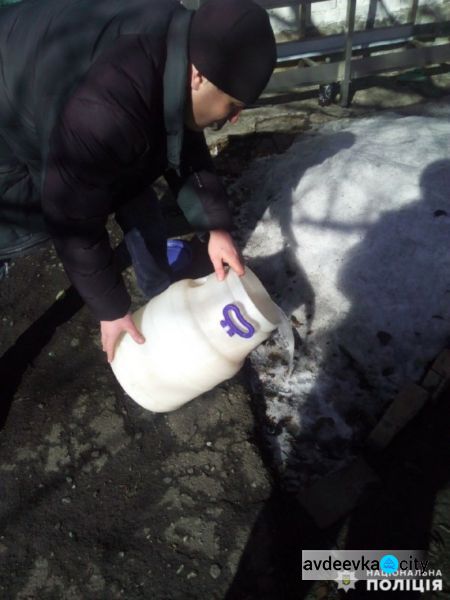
(100, 499)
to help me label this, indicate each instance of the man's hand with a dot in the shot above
(222, 249)
(111, 330)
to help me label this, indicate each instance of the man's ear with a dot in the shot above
(196, 78)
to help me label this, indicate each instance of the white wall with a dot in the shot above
(330, 15)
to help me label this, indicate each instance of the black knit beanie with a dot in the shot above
(231, 42)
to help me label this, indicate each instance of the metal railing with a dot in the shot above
(355, 54)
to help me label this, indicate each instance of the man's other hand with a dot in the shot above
(222, 249)
(111, 331)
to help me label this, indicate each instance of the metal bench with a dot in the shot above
(349, 54)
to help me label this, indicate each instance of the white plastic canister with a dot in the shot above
(198, 333)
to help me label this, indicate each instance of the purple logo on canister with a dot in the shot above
(231, 314)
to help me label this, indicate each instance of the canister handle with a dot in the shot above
(228, 321)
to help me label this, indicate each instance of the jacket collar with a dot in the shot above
(175, 82)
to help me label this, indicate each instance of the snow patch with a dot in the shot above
(349, 231)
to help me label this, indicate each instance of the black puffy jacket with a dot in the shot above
(85, 87)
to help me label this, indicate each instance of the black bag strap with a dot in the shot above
(175, 74)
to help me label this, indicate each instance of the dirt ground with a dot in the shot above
(100, 499)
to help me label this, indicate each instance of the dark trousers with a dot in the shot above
(145, 236)
(22, 226)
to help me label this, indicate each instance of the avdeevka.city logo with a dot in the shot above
(384, 570)
(389, 564)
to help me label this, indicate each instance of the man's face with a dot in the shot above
(209, 105)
